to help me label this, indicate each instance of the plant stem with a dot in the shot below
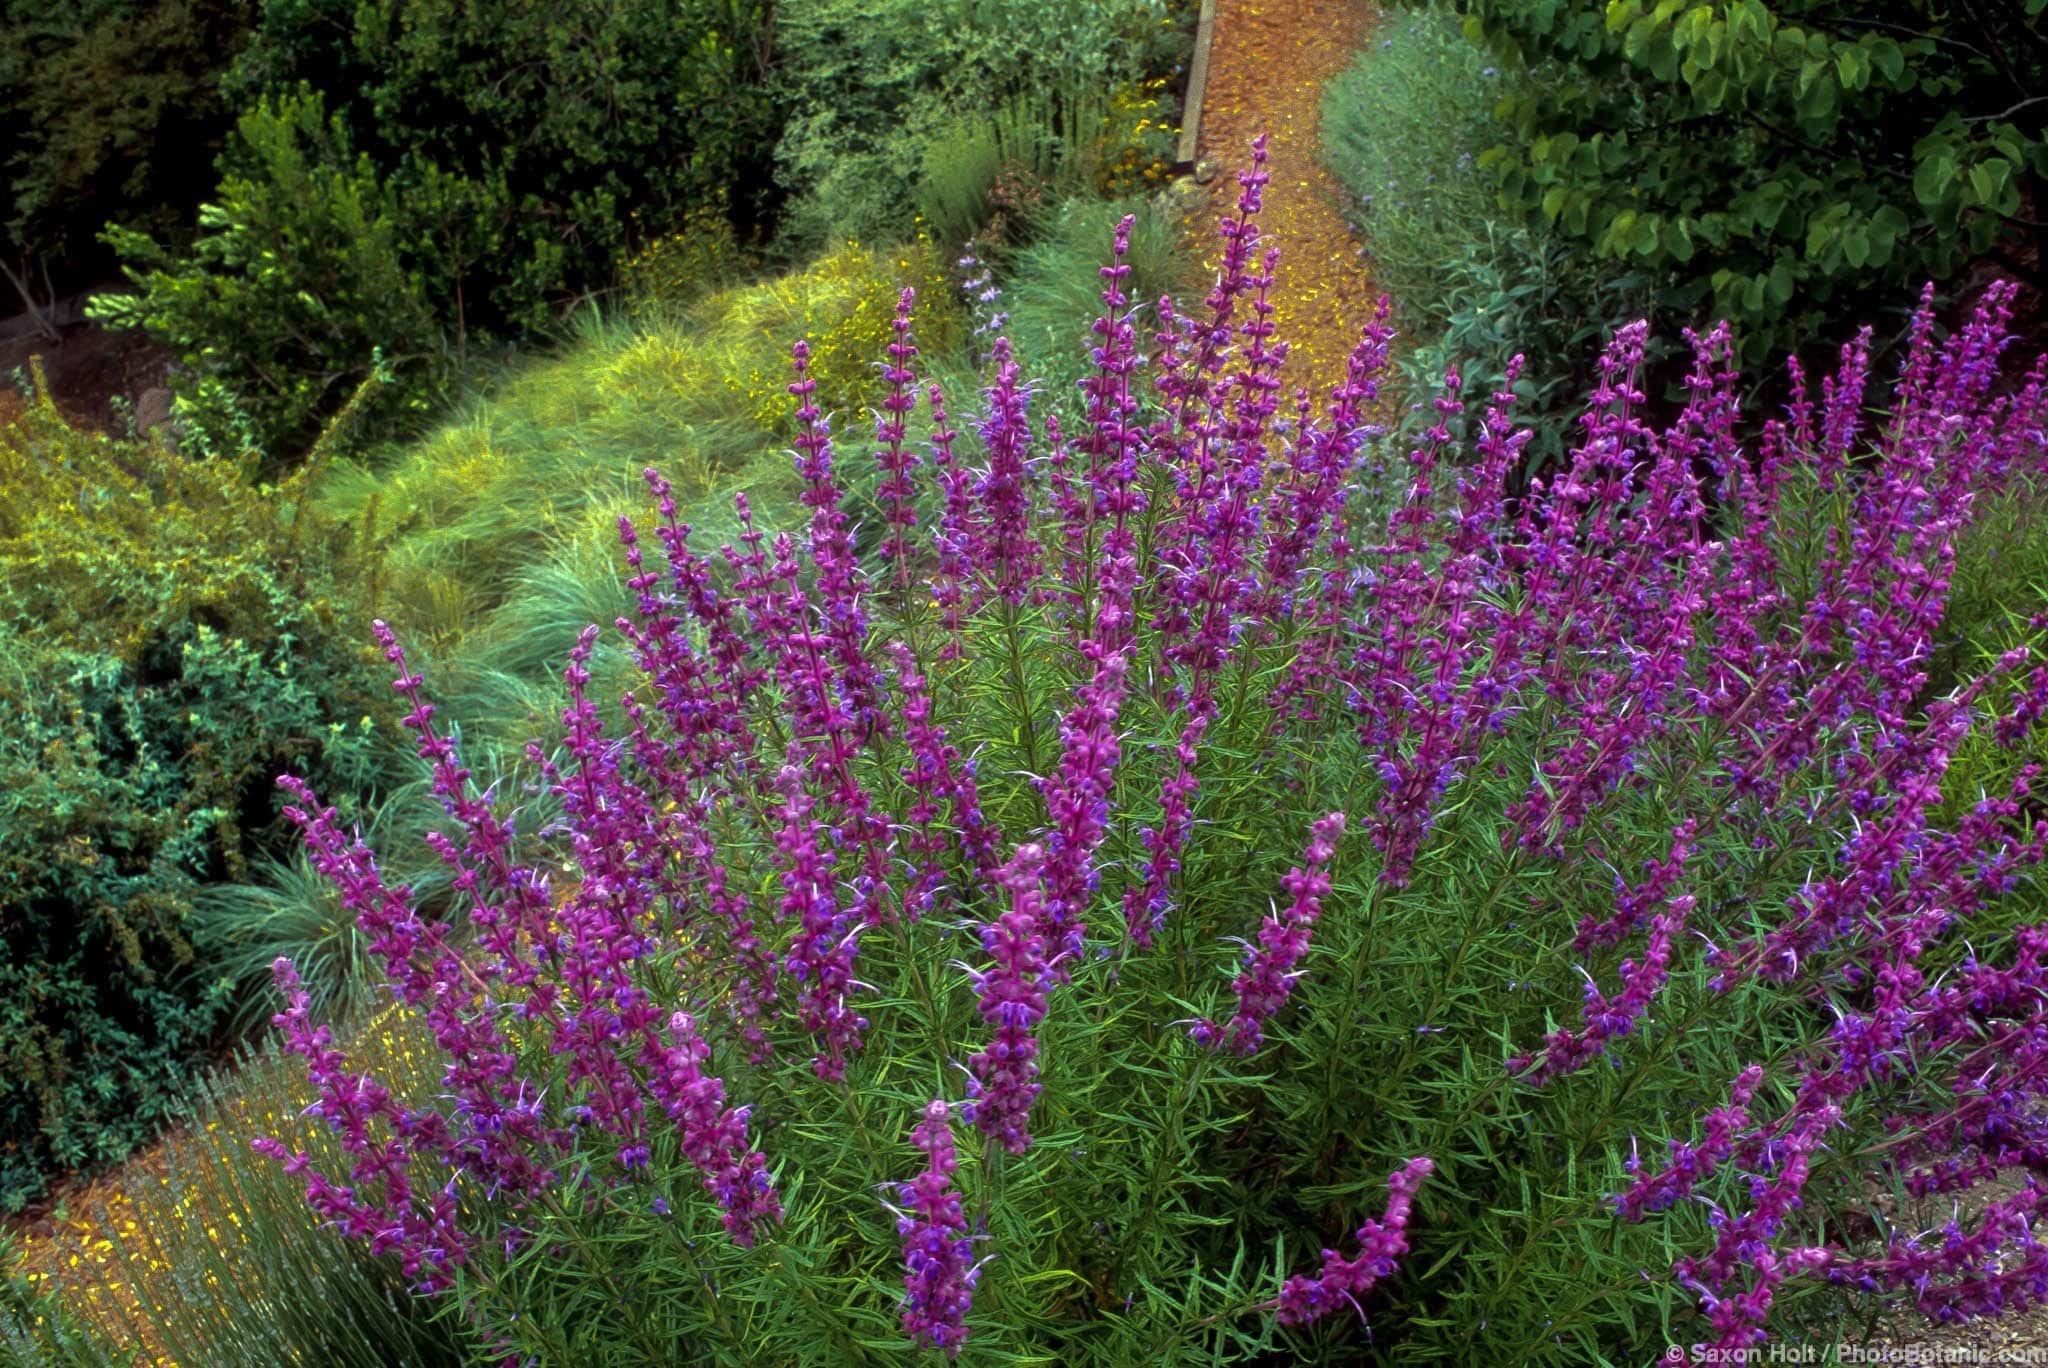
(1020, 694)
(1169, 1139)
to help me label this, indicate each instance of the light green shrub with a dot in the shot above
(1402, 130)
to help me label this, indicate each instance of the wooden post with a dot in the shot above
(1198, 80)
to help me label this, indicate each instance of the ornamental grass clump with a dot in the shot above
(1524, 887)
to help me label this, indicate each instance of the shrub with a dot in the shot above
(427, 182)
(2001, 573)
(894, 994)
(2001, 585)
(563, 120)
(285, 908)
(1046, 140)
(298, 280)
(171, 638)
(844, 302)
(1140, 137)
(1403, 130)
(870, 85)
(116, 114)
(1782, 163)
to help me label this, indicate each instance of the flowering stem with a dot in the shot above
(1355, 976)
(1020, 695)
(542, 1325)
(1231, 1311)
(798, 1281)
(921, 986)
(704, 1283)
(851, 1097)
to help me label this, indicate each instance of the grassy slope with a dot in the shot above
(496, 537)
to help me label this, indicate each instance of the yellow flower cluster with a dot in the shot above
(1137, 146)
(843, 304)
(679, 266)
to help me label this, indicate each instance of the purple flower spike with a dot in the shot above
(841, 581)
(1012, 992)
(381, 1204)
(821, 953)
(1077, 801)
(1607, 1019)
(936, 774)
(939, 1276)
(713, 1135)
(898, 489)
(1267, 978)
(1381, 1244)
(1009, 558)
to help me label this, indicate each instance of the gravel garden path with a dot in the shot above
(66, 1244)
(1268, 63)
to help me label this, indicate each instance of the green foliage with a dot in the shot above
(1403, 129)
(418, 179)
(1046, 136)
(299, 276)
(214, 1263)
(678, 268)
(114, 114)
(1995, 605)
(1777, 162)
(38, 1327)
(1165, 1197)
(562, 123)
(2001, 569)
(496, 536)
(170, 640)
(880, 92)
(286, 908)
(1051, 284)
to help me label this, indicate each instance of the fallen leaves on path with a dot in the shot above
(1268, 64)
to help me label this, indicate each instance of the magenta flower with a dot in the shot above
(1004, 1076)
(957, 541)
(938, 1258)
(1007, 555)
(1263, 985)
(713, 1135)
(1735, 642)
(1690, 1164)
(936, 774)
(382, 1205)
(1077, 802)
(841, 581)
(821, 953)
(1381, 1244)
(898, 463)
